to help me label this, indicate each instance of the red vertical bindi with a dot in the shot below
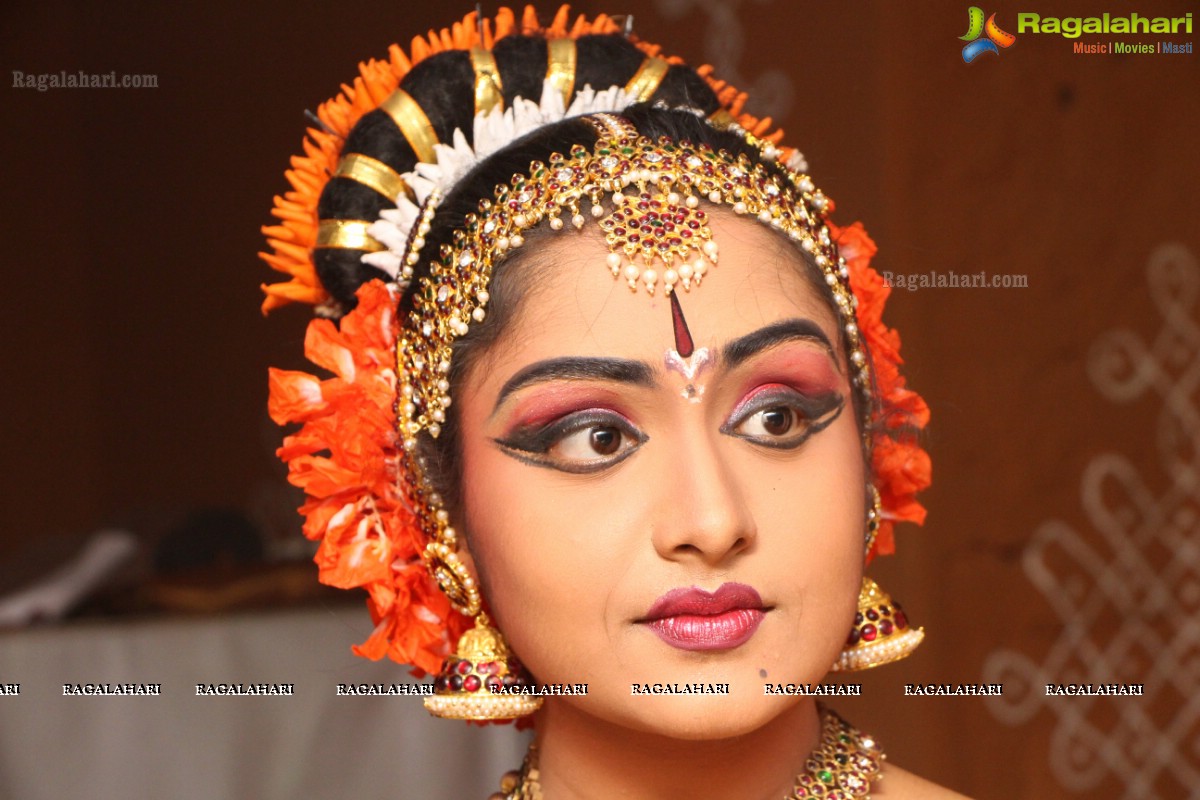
(683, 337)
(685, 358)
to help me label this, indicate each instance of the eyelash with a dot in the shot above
(812, 414)
(535, 445)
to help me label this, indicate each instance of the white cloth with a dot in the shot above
(53, 595)
(312, 745)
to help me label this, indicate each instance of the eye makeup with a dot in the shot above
(744, 348)
(804, 415)
(807, 368)
(567, 413)
(540, 405)
(564, 442)
(617, 370)
(793, 387)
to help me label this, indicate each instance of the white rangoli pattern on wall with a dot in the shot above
(1127, 591)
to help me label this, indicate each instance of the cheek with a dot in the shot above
(811, 518)
(825, 480)
(537, 558)
(501, 521)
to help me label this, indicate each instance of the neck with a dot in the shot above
(584, 758)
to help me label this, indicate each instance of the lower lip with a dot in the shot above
(716, 632)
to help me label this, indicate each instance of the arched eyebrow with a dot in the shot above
(745, 347)
(639, 373)
(578, 368)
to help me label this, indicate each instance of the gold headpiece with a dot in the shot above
(658, 225)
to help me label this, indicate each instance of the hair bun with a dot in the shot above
(382, 125)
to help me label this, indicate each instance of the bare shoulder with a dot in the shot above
(899, 784)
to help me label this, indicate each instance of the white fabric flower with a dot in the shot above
(493, 131)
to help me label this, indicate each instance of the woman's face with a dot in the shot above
(637, 517)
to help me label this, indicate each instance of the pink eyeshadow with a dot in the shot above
(804, 369)
(542, 405)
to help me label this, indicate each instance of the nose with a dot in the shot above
(705, 515)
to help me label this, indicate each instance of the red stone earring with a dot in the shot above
(881, 632)
(481, 681)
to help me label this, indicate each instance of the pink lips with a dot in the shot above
(693, 619)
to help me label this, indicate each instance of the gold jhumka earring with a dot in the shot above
(881, 632)
(475, 682)
(480, 681)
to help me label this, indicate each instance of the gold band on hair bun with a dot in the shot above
(350, 234)
(489, 91)
(373, 174)
(560, 67)
(645, 81)
(412, 122)
(721, 118)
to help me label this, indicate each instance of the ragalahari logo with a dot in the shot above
(995, 39)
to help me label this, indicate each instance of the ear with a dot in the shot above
(468, 560)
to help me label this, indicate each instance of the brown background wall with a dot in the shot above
(134, 355)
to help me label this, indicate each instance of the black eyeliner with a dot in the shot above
(812, 430)
(538, 439)
(541, 460)
(532, 446)
(820, 412)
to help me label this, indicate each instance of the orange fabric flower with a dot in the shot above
(900, 467)
(346, 460)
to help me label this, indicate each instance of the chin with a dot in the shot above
(714, 721)
(731, 705)
(706, 718)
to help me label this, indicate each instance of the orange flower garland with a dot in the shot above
(345, 455)
(899, 466)
(345, 458)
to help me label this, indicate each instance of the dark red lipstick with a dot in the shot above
(693, 619)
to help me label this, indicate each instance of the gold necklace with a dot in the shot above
(843, 766)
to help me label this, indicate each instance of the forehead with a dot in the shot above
(574, 306)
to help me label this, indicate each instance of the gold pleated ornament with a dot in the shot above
(481, 681)
(881, 633)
